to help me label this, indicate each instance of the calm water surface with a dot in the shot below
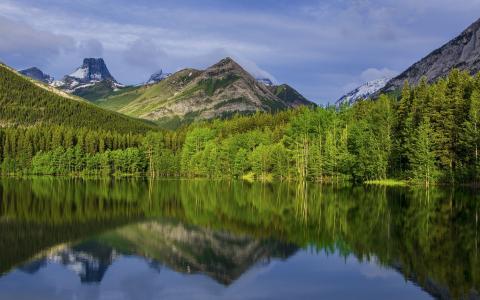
(140, 239)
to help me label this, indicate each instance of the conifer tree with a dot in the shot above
(423, 160)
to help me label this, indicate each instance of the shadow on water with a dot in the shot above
(222, 229)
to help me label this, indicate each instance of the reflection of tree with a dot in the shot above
(431, 236)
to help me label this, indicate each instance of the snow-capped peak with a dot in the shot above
(92, 70)
(363, 92)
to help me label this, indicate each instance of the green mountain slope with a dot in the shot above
(24, 102)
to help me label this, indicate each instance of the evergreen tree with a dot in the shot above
(423, 159)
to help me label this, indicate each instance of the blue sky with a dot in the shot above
(322, 48)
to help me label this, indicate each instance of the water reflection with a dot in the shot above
(224, 230)
(187, 249)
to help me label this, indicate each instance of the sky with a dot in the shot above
(321, 48)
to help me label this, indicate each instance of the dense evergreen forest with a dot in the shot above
(428, 134)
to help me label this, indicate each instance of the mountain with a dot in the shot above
(463, 52)
(37, 74)
(364, 91)
(25, 102)
(219, 91)
(91, 80)
(157, 77)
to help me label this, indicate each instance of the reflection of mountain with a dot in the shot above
(221, 256)
(89, 264)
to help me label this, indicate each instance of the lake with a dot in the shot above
(198, 239)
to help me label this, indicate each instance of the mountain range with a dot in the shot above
(221, 90)
(225, 88)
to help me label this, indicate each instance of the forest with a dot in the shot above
(427, 134)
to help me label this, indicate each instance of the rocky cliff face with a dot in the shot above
(37, 74)
(463, 52)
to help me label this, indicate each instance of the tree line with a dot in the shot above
(429, 133)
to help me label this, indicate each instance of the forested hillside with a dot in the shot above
(23, 103)
(431, 134)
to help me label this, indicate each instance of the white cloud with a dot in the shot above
(374, 73)
(253, 68)
(91, 48)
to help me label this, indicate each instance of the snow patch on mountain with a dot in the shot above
(265, 81)
(364, 91)
(80, 73)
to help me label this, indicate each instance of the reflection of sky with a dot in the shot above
(304, 276)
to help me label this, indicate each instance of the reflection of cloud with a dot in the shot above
(372, 269)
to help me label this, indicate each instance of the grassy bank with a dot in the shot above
(387, 182)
